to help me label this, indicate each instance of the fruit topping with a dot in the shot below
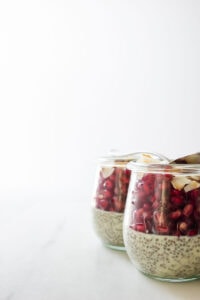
(112, 189)
(166, 205)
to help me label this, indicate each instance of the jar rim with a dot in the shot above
(164, 168)
(127, 157)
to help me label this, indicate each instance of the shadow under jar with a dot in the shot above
(111, 186)
(162, 221)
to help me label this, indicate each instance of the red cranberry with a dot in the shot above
(108, 184)
(192, 232)
(174, 215)
(107, 194)
(103, 204)
(147, 189)
(187, 210)
(125, 179)
(147, 206)
(195, 194)
(177, 193)
(140, 227)
(168, 177)
(177, 201)
(148, 178)
(112, 177)
(127, 173)
(162, 229)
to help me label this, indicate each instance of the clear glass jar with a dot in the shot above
(162, 220)
(111, 186)
(109, 197)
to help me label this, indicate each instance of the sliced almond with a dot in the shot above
(196, 178)
(179, 182)
(147, 159)
(191, 186)
(106, 172)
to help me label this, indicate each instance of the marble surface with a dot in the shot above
(48, 251)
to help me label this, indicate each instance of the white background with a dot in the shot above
(78, 78)
(81, 77)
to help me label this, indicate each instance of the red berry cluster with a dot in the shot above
(161, 209)
(111, 192)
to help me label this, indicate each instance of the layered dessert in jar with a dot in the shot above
(162, 221)
(109, 200)
(110, 193)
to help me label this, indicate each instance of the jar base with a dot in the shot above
(187, 279)
(114, 247)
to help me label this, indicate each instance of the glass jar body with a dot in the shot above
(162, 221)
(109, 198)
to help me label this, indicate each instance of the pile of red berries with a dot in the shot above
(112, 189)
(159, 208)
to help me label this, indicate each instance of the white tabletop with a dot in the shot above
(49, 252)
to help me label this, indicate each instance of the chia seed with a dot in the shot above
(108, 226)
(164, 256)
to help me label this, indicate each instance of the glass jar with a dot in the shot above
(109, 197)
(112, 181)
(162, 220)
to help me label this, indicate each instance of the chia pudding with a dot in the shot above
(108, 226)
(167, 257)
(162, 221)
